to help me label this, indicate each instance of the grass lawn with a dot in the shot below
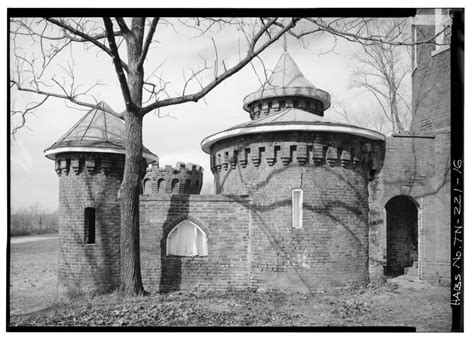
(33, 287)
(33, 275)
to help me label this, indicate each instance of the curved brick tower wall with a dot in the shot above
(333, 170)
(89, 180)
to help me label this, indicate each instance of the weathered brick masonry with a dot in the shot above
(227, 222)
(415, 168)
(331, 249)
(89, 180)
(89, 160)
(431, 82)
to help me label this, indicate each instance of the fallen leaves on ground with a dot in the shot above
(368, 306)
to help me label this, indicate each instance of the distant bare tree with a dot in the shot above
(369, 117)
(34, 218)
(383, 70)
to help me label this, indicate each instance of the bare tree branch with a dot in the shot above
(252, 53)
(66, 97)
(123, 26)
(354, 37)
(23, 115)
(88, 38)
(148, 40)
(381, 71)
(118, 66)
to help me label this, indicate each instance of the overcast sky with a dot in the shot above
(176, 137)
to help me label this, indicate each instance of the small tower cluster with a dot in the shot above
(183, 179)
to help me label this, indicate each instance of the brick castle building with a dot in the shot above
(303, 202)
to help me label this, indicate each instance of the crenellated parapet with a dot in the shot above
(182, 179)
(77, 163)
(306, 149)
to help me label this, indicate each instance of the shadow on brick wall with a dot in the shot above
(171, 266)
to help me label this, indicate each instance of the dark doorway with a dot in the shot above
(402, 235)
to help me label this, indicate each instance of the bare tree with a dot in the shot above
(127, 42)
(383, 70)
(31, 219)
(369, 117)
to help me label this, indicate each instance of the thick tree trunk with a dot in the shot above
(130, 274)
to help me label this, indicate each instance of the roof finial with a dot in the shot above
(284, 43)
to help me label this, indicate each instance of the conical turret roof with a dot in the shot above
(97, 131)
(287, 80)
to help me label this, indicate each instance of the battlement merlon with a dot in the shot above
(184, 178)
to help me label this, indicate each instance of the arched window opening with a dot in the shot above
(161, 188)
(89, 225)
(297, 208)
(147, 186)
(186, 240)
(187, 186)
(175, 186)
(196, 187)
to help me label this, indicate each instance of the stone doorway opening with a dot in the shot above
(402, 236)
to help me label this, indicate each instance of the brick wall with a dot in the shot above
(437, 214)
(431, 82)
(89, 180)
(415, 167)
(331, 249)
(226, 220)
(432, 113)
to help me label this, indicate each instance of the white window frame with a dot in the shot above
(195, 244)
(294, 201)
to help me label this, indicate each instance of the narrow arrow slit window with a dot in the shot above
(89, 225)
(297, 208)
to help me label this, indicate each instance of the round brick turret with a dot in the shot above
(308, 179)
(89, 160)
(333, 171)
(88, 186)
